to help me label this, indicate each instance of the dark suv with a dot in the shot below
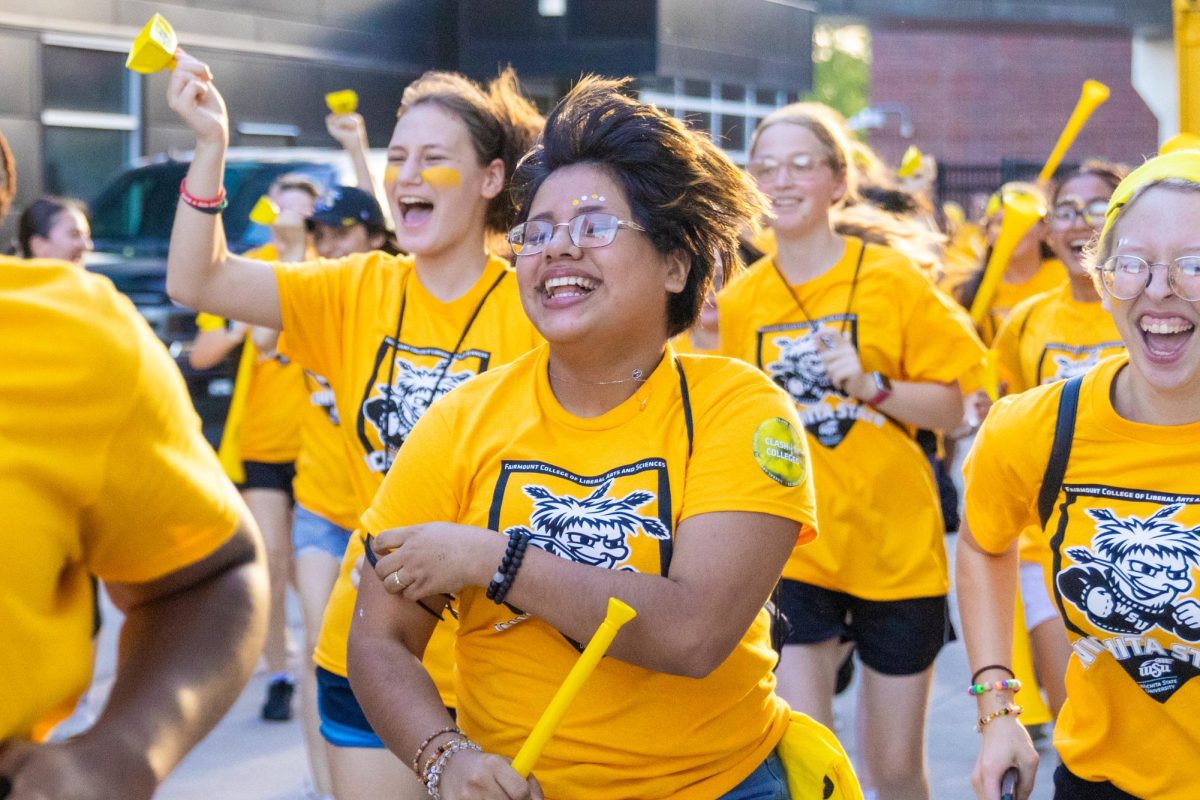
(131, 227)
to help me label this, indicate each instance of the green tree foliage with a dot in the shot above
(842, 67)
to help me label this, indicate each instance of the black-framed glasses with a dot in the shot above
(1065, 212)
(1125, 277)
(798, 167)
(591, 229)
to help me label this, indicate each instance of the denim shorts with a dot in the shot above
(312, 531)
(768, 782)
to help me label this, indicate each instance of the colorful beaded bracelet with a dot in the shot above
(999, 686)
(433, 775)
(416, 762)
(1010, 710)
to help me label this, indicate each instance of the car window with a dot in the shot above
(134, 214)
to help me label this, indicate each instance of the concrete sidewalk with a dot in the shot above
(248, 759)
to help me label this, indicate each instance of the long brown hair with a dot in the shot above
(501, 121)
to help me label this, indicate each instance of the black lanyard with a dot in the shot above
(391, 407)
(800, 304)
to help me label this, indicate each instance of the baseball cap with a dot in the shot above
(343, 206)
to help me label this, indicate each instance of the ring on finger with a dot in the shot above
(395, 579)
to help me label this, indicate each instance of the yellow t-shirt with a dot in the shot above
(610, 492)
(881, 522)
(1046, 338)
(322, 483)
(1051, 337)
(270, 429)
(103, 471)
(1051, 275)
(1125, 543)
(340, 318)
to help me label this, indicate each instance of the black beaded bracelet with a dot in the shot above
(514, 554)
(990, 667)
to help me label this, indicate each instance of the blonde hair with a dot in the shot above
(1099, 250)
(830, 129)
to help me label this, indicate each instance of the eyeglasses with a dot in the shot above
(1065, 212)
(798, 167)
(593, 229)
(1125, 277)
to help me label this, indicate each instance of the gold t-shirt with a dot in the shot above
(609, 492)
(1124, 540)
(341, 318)
(103, 471)
(881, 522)
(1046, 338)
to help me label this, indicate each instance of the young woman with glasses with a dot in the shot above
(676, 483)
(1099, 465)
(389, 333)
(868, 351)
(1049, 337)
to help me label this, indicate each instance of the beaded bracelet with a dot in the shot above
(981, 670)
(514, 554)
(416, 762)
(1009, 710)
(999, 686)
(206, 206)
(433, 776)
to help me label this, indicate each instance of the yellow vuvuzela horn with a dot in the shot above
(618, 614)
(265, 212)
(1021, 211)
(1093, 95)
(154, 47)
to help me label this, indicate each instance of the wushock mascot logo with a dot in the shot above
(419, 375)
(1060, 362)
(620, 519)
(1137, 577)
(593, 530)
(790, 353)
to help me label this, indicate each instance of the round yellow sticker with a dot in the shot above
(779, 450)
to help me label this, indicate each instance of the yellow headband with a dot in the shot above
(1184, 164)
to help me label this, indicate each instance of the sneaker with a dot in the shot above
(278, 707)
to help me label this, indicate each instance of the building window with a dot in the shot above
(552, 8)
(728, 112)
(90, 118)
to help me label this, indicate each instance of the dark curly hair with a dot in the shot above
(686, 193)
(502, 122)
(8, 177)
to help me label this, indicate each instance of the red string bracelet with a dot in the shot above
(214, 206)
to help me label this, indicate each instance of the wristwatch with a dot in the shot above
(883, 388)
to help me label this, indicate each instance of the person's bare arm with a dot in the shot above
(201, 272)
(723, 568)
(209, 348)
(350, 131)
(986, 598)
(188, 645)
(387, 640)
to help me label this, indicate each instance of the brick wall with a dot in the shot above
(979, 96)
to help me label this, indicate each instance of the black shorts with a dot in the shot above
(893, 637)
(270, 475)
(1069, 786)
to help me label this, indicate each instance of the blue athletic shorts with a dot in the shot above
(343, 723)
(312, 531)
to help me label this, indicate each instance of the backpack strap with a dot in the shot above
(1060, 451)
